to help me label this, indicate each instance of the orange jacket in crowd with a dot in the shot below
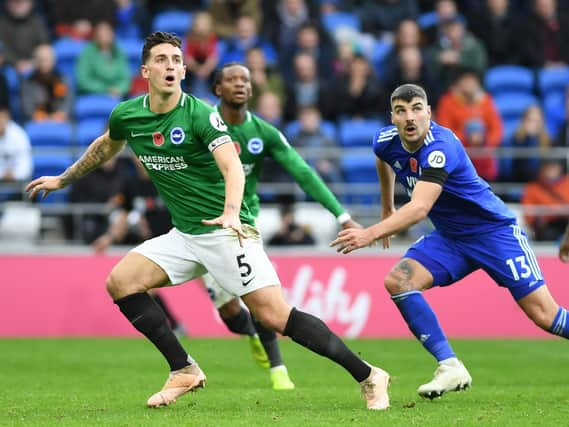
(452, 112)
(552, 194)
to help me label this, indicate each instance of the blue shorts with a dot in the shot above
(504, 254)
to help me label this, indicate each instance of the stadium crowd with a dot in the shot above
(322, 72)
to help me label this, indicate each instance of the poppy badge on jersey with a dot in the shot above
(177, 135)
(157, 139)
(413, 164)
(255, 145)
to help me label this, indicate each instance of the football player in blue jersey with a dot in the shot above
(474, 230)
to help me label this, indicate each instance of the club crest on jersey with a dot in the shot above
(413, 164)
(255, 145)
(237, 147)
(177, 135)
(157, 139)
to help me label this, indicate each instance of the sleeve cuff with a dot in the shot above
(343, 218)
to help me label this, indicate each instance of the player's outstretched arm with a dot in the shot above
(564, 246)
(423, 198)
(99, 151)
(231, 168)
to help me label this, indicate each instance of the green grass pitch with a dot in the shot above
(105, 382)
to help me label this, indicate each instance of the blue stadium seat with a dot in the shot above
(328, 128)
(512, 105)
(427, 19)
(89, 129)
(66, 52)
(359, 169)
(52, 164)
(336, 20)
(509, 78)
(358, 132)
(13, 81)
(132, 49)
(554, 111)
(510, 127)
(379, 54)
(94, 106)
(553, 80)
(173, 21)
(52, 134)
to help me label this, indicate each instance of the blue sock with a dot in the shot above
(423, 323)
(560, 325)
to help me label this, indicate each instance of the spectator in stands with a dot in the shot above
(15, 150)
(77, 19)
(290, 232)
(21, 31)
(495, 25)
(550, 189)
(246, 37)
(382, 16)
(264, 78)
(359, 94)
(225, 14)
(283, 19)
(102, 66)
(312, 40)
(407, 34)
(410, 67)
(456, 48)
(306, 89)
(345, 51)
(270, 109)
(543, 36)
(531, 133)
(444, 10)
(466, 100)
(45, 94)
(103, 185)
(325, 161)
(201, 54)
(483, 157)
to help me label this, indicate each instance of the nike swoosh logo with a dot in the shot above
(246, 282)
(135, 135)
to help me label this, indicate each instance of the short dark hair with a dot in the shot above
(219, 74)
(156, 38)
(407, 92)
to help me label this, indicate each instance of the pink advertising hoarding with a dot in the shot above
(65, 296)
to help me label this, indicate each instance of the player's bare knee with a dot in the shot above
(230, 309)
(114, 286)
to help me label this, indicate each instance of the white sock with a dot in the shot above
(279, 368)
(451, 361)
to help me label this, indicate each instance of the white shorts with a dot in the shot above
(238, 270)
(217, 294)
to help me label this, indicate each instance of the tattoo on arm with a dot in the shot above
(100, 150)
(231, 207)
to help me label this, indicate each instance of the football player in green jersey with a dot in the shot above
(258, 139)
(184, 146)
